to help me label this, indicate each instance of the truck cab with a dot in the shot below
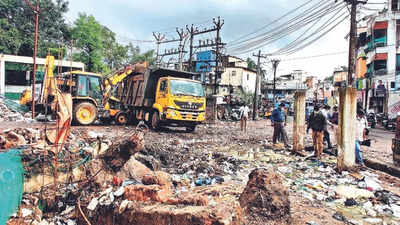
(180, 102)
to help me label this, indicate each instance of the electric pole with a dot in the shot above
(255, 98)
(191, 32)
(218, 24)
(275, 63)
(352, 41)
(159, 37)
(182, 36)
(194, 31)
(36, 11)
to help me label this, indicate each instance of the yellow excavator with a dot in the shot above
(91, 93)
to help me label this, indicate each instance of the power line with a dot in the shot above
(284, 31)
(315, 56)
(310, 12)
(274, 21)
(293, 47)
(172, 29)
(318, 37)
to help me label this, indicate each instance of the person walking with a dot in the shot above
(325, 113)
(317, 122)
(361, 124)
(278, 117)
(244, 115)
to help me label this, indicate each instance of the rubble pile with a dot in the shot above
(265, 199)
(7, 114)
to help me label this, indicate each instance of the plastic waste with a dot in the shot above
(203, 181)
(350, 202)
(372, 184)
(93, 204)
(338, 216)
(119, 192)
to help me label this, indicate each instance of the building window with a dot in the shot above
(380, 37)
(380, 67)
(397, 64)
(395, 5)
(248, 76)
(233, 73)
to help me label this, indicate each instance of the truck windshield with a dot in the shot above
(183, 87)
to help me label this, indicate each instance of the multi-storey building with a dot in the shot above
(378, 62)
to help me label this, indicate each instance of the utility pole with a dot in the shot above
(348, 102)
(275, 63)
(182, 36)
(218, 24)
(191, 32)
(160, 40)
(352, 41)
(255, 98)
(159, 37)
(36, 11)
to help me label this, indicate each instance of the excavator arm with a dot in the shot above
(116, 78)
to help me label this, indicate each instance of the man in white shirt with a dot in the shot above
(244, 115)
(325, 112)
(361, 124)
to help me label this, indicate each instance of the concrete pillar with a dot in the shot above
(299, 123)
(2, 76)
(346, 128)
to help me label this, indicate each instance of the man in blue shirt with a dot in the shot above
(278, 117)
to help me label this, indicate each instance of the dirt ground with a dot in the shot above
(177, 150)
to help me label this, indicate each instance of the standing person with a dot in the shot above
(244, 115)
(278, 117)
(317, 122)
(325, 113)
(360, 135)
(335, 116)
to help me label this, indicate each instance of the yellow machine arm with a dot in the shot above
(49, 85)
(116, 78)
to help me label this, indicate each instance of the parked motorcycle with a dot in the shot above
(391, 124)
(384, 120)
(380, 117)
(371, 118)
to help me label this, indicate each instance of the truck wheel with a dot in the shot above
(155, 120)
(191, 128)
(85, 113)
(121, 119)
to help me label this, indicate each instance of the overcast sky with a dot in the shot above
(136, 20)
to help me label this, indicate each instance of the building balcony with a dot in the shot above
(380, 72)
(378, 42)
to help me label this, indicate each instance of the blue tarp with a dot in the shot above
(11, 183)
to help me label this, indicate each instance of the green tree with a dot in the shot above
(115, 55)
(146, 56)
(88, 34)
(17, 24)
(251, 64)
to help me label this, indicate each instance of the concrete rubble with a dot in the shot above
(131, 176)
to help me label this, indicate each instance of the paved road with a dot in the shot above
(381, 145)
(380, 133)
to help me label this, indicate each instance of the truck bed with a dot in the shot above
(139, 89)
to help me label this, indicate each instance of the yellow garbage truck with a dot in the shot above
(163, 97)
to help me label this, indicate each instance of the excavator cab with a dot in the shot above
(87, 94)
